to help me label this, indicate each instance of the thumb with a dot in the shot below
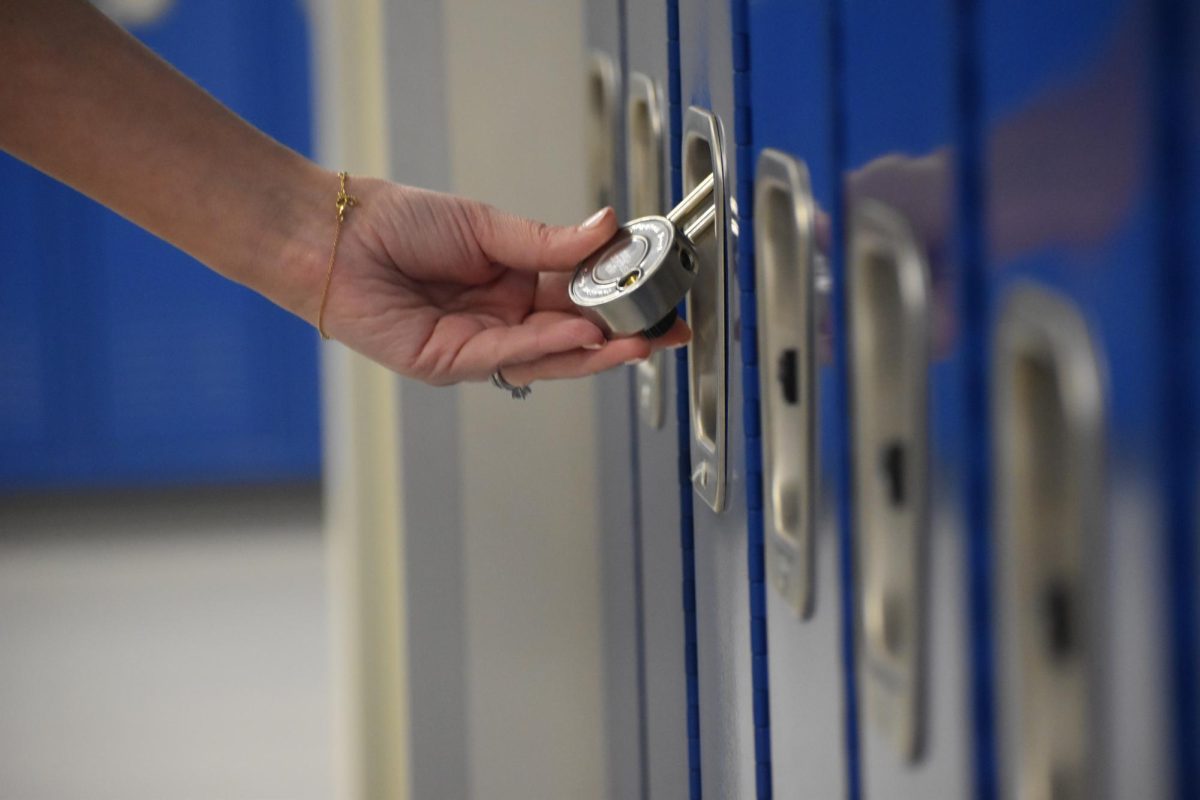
(526, 244)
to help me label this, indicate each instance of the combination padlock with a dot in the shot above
(634, 282)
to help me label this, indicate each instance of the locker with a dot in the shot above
(794, 414)
(620, 534)
(716, 483)
(131, 366)
(907, 376)
(649, 127)
(1180, 29)
(1074, 282)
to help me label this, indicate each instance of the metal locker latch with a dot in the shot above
(602, 99)
(787, 264)
(703, 161)
(1048, 423)
(889, 315)
(645, 177)
(634, 283)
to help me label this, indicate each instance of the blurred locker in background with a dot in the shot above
(907, 378)
(791, 99)
(1182, 27)
(1074, 283)
(128, 364)
(649, 130)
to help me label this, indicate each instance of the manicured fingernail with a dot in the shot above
(598, 346)
(594, 219)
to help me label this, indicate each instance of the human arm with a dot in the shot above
(435, 287)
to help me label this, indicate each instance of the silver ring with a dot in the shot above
(517, 392)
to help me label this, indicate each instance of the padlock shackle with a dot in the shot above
(701, 225)
(691, 202)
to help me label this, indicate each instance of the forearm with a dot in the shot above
(86, 103)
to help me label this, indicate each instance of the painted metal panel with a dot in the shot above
(655, 435)
(722, 607)
(900, 157)
(621, 569)
(791, 90)
(1067, 104)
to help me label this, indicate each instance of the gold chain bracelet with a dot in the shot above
(343, 203)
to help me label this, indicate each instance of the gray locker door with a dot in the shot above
(717, 459)
(648, 127)
(619, 554)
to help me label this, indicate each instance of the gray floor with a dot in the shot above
(167, 646)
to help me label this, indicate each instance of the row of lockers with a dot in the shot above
(128, 364)
(926, 477)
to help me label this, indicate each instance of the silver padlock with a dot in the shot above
(634, 283)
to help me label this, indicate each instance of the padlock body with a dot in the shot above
(637, 278)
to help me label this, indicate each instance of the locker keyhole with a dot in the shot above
(892, 462)
(1057, 620)
(789, 375)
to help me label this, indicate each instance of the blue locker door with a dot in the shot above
(1074, 272)
(717, 459)
(906, 370)
(648, 134)
(794, 516)
(1181, 311)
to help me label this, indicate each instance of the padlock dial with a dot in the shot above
(635, 281)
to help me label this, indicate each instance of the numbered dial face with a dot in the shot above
(629, 261)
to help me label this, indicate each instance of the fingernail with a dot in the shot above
(677, 346)
(599, 346)
(594, 219)
(637, 360)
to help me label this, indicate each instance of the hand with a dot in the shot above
(444, 290)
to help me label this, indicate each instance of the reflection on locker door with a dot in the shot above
(620, 584)
(717, 464)
(648, 127)
(1074, 272)
(791, 106)
(907, 376)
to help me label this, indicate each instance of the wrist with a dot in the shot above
(289, 264)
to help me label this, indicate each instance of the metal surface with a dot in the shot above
(792, 93)
(889, 314)
(703, 161)
(634, 283)
(1049, 432)
(1079, 215)
(620, 553)
(603, 95)
(645, 145)
(725, 755)
(787, 347)
(903, 129)
(637, 279)
(656, 457)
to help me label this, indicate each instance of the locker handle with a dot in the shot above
(1048, 429)
(786, 289)
(889, 316)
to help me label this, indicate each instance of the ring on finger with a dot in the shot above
(518, 392)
